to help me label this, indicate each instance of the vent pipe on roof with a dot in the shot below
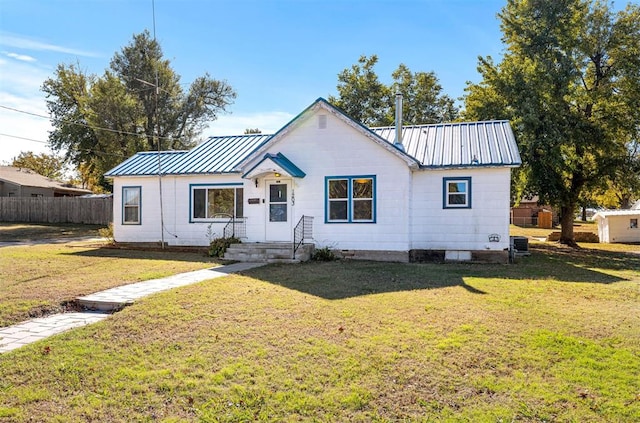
(398, 141)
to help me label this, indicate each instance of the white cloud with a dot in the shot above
(21, 57)
(235, 124)
(20, 90)
(22, 78)
(22, 42)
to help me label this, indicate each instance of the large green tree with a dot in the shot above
(138, 104)
(361, 94)
(570, 83)
(364, 98)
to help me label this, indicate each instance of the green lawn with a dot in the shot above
(32, 231)
(42, 279)
(554, 337)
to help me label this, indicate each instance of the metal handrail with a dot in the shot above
(302, 231)
(236, 227)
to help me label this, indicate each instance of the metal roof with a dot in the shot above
(607, 213)
(146, 163)
(466, 144)
(215, 155)
(485, 143)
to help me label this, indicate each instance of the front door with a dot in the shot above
(278, 210)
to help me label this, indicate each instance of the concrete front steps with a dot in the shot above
(269, 252)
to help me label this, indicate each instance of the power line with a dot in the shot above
(83, 150)
(23, 138)
(83, 124)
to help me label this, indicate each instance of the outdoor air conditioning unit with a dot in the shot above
(519, 246)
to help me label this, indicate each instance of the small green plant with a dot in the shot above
(210, 234)
(219, 246)
(107, 233)
(323, 254)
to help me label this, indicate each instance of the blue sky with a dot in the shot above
(279, 55)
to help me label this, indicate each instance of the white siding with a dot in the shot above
(617, 228)
(408, 204)
(176, 209)
(437, 228)
(340, 150)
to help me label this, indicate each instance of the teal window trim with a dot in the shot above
(446, 194)
(230, 185)
(350, 200)
(138, 220)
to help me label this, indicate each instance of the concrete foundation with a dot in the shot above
(374, 255)
(440, 256)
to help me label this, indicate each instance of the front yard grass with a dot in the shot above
(17, 232)
(554, 337)
(42, 279)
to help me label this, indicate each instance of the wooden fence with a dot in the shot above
(95, 211)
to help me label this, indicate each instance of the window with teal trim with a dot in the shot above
(456, 193)
(350, 199)
(216, 201)
(131, 202)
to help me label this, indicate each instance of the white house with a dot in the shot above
(439, 191)
(618, 225)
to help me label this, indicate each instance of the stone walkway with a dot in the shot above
(24, 333)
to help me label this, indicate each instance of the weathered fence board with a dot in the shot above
(95, 211)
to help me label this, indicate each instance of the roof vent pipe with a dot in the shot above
(398, 141)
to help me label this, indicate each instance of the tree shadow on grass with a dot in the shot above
(351, 278)
(43, 232)
(173, 254)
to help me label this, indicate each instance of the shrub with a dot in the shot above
(219, 246)
(323, 254)
(107, 233)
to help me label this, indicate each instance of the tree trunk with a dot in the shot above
(584, 213)
(566, 224)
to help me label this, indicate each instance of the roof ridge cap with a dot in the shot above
(418, 125)
(237, 136)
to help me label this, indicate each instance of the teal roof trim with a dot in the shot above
(281, 161)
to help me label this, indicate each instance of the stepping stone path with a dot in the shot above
(102, 303)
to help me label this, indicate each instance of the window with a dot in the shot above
(350, 199)
(216, 201)
(277, 202)
(633, 223)
(131, 205)
(456, 193)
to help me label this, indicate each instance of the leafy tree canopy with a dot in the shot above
(48, 165)
(363, 97)
(570, 83)
(138, 104)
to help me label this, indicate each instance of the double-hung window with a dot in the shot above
(216, 201)
(131, 202)
(350, 199)
(456, 193)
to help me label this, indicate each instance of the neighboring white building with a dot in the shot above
(444, 191)
(618, 225)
